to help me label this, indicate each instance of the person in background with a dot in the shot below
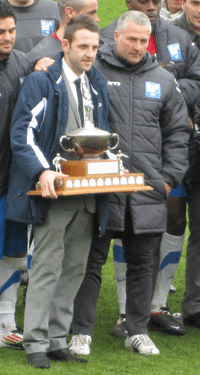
(171, 9)
(13, 236)
(36, 19)
(190, 22)
(51, 46)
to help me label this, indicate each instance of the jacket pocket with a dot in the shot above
(163, 189)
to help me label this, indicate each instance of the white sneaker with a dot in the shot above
(12, 339)
(80, 344)
(141, 344)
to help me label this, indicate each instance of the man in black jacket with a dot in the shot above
(170, 45)
(174, 50)
(149, 113)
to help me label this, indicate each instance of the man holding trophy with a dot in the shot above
(71, 95)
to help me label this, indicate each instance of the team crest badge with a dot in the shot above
(175, 51)
(152, 90)
(47, 27)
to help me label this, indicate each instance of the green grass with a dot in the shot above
(109, 10)
(179, 355)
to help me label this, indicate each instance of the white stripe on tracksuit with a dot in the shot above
(30, 133)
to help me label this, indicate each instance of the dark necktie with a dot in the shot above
(80, 99)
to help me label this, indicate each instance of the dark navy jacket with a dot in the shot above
(39, 120)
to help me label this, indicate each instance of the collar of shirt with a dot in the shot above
(165, 13)
(192, 33)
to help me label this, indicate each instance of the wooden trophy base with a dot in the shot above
(95, 176)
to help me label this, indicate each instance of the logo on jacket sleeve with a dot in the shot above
(113, 83)
(47, 27)
(175, 51)
(152, 90)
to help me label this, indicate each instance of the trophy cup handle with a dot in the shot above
(116, 137)
(66, 143)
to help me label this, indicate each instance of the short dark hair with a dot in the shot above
(6, 11)
(79, 23)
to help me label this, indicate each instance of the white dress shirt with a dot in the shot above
(71, 77)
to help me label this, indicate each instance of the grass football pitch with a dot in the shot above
(179, 355)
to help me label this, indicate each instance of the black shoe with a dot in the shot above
(65, 355)
(19, 330)
(120, 329)
(38, 360)
(164, 320)
(193, 320)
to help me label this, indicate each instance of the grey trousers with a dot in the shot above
(191, 301)
(58, 266)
